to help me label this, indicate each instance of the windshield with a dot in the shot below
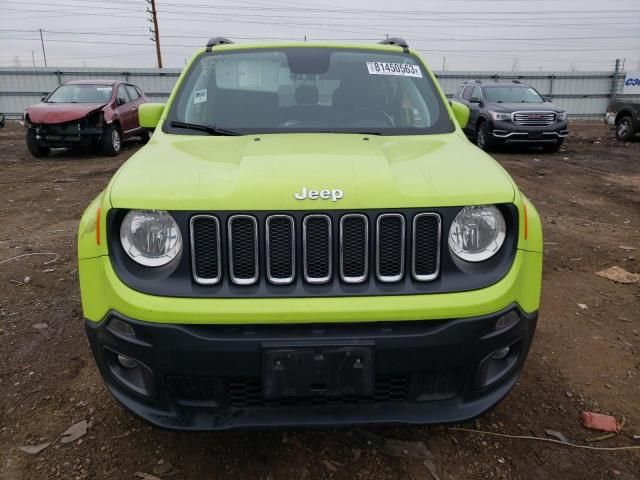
(81, 93)
(512, 95)
(306, 89)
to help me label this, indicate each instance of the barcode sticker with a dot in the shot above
(401, 69)
(200, 96)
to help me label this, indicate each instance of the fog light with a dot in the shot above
(118, 326)
(502, 353)
(127, 362)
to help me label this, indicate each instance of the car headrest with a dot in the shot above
(307, 95)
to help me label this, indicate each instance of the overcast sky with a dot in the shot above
(462, 34)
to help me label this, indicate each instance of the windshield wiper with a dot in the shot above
(210, 129)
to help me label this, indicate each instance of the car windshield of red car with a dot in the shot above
(81, 93)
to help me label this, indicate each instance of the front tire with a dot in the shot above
(38, 151)
(624, 129)
(111, 140)
(483, 137)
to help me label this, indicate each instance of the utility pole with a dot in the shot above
(614, 79)
(33, 58)
(44, 54)
(155, 32)
(444, 62)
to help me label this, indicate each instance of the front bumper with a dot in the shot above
(204, 377)
(508, 132)
(66, 134)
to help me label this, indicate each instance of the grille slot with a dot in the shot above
(243, 249)
(317, 248)
(281, 249)
(354, 248)
(426, 246)
(390, 239)
(205, 246)
(534, 119)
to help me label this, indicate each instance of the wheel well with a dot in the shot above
(480, 120)
(116, 123)
(624, 113)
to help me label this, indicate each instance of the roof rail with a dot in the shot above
(397, 41)
(479, 82)
(516, 81)
(213, 41)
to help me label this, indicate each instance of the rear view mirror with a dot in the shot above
(461, 112)
(149, 114)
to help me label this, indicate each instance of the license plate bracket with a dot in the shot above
(317, 372)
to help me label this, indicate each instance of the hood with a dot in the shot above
(180, 172)
(512, 107)
(60, 112)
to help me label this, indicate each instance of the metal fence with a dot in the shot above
(582, 94)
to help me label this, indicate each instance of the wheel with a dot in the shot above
(553, 147)
(624, 129)
(111, 140)
(483, 137)
(36, 150)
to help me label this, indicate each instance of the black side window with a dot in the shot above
(123, 97)
(466, 94)
(476, 93)
(133, 93)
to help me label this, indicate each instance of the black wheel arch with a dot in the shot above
(626, 112)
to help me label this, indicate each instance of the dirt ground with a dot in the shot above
(586, 354)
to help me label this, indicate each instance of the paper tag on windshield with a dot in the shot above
(401, 69)
(200, 96)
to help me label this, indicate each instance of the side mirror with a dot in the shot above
(475, 100)
(149, 114)
(43, 98)
(461, 112)
(547, 99)
(121, 101)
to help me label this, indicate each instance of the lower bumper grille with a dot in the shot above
(247, 391)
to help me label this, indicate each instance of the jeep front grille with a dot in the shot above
(316, 248)
(534, 119)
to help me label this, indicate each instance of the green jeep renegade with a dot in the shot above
(309, 239)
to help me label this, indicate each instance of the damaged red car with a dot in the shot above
(81, 113)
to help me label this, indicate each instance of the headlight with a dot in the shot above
(477, 233)
(500, 116)
(150, 237)
(561, 115)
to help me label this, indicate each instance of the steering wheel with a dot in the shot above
(359, 114)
